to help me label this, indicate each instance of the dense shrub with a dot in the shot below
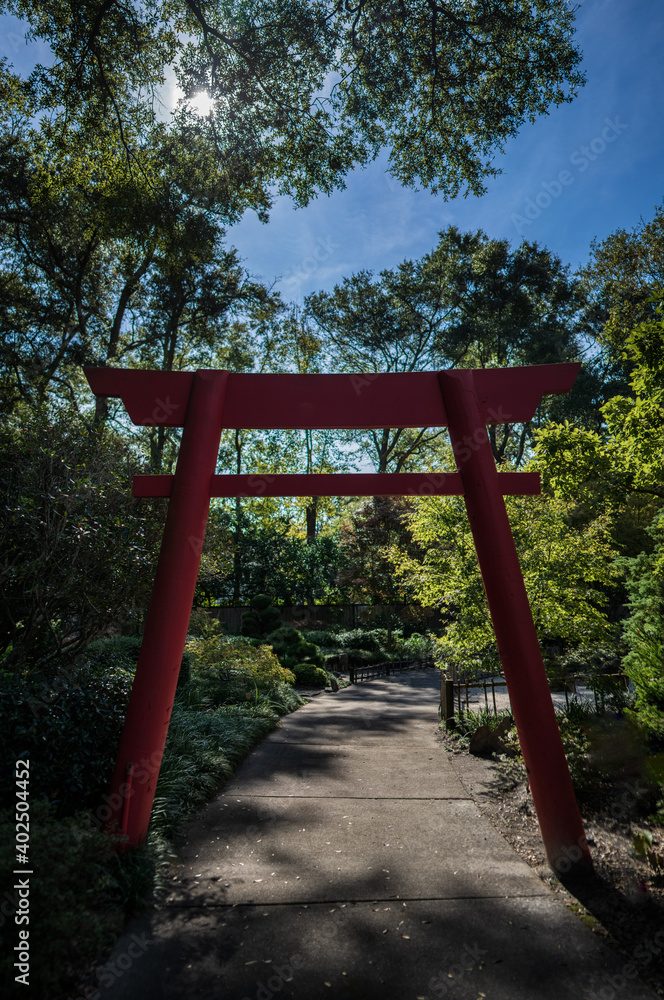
(323, 637)
(230, 670)
(360, 639)
(292, 648)
(414, 647)
(78, 902)
(69, 727)
(309, 675)
(78, 550)
(644, 633)
(215, 656)
(120, 651)
(646, 669)
(373, 645)
(123, 651)
(261, 619)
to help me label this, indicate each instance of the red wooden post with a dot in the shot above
(534, 716)
(167, 620)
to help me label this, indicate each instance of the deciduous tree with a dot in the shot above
(77, 550)
(472, 302)
(301, 92)
(565, 569)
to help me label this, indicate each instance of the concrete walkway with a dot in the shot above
(346, 860)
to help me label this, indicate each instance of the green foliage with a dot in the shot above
(322, 637)
(367, 539)
(269, 554)
(636, 422)
(565, 568)
(124, 650)
(378, 644)
(76, 902)
(283, 698)
(238, 686)
(85, 890)
(231, 670)
(413, 647)
(202, 749)
(646, 670)
(77, 552)
(471, 719)
(643, 633)
(117, 650)
(617, 471)
(292, 648)
(111, 246)
(309, 675)
(582, 731)
(231, 652)
(623, 271)
(618, 475)
(574, 464)
(262, 618)
(471, 302)
(69, 726)
(433, 86)
(372, 641)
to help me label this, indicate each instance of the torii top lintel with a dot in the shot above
(363, 400)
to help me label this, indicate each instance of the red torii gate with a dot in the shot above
(465, 401)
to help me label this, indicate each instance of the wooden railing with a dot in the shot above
(367, 671)
(451, 690)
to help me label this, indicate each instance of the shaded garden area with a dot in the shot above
(114, 224)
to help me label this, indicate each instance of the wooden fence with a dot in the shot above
(451, 690)
(320, 616)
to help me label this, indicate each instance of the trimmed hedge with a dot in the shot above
(310, 675)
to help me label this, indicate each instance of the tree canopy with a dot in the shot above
(565, 568)
(302, 92)
(471, 302)
(623, 273)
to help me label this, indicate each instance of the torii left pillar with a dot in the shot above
(149, 712)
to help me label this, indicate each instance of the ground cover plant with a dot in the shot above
(230, 696)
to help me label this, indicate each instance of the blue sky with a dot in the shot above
(375, 223)
(584, 171)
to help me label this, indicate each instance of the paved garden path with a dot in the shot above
(346, 860)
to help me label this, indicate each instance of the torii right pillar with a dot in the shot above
(548, 774)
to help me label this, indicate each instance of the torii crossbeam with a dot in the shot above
(205, 402)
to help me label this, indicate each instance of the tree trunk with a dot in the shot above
(384, 450)
(237, 541)
(312, 514)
